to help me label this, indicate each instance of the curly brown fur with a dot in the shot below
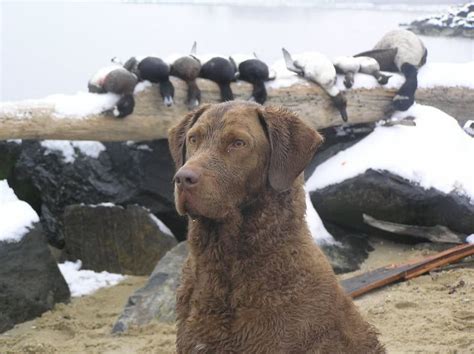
(254, 281)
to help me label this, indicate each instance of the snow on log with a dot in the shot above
(63, 117)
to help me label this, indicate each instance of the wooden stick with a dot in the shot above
(151, 119)
(437, 233)
(362, 284)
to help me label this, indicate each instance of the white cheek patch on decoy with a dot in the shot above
(400, 98)
(168, 101)
(116, 112)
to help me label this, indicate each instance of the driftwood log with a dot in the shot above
(151, 119)
(363, 283)
(436, 233)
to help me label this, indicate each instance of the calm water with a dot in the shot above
(55, 47)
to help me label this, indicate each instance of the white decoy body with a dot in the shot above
(349, 66)
(410, 48)
(317, 68)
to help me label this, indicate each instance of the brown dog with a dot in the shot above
(254, 281)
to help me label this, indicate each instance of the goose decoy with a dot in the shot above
(222, 72)
(255, 72)
(187, 68)
(317, 68)
(116, 79)
(349, 66)
(401, 51)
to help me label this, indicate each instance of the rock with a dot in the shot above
(457, 22)
(115, 239)
(157, 299)
(125, 173)
(30, 280)
(351, 250)
(388, 197)
(337, 139)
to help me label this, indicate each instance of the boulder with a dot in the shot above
(115, 239)
(337, 139)
(350, 251)
(157, 299)
(123, 173)
(30, 280)
(388, 197)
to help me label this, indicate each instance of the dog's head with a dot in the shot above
(227, 154)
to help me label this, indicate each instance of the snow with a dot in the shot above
(470, 239)
(16, 141)
(85, 282)
(141, 86)
(436, 153)
(163, 228)
(68, 148)
(81, 104)
(17, 216)
(315, 225)
(105, 205)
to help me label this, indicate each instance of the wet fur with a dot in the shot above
(255, 281)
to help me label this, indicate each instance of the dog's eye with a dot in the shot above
(238, 143)
(192, 139)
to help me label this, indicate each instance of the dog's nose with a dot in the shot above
(186, 178)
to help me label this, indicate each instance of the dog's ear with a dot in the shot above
(177, 135)
(293, 144)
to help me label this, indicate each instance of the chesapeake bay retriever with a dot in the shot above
(254, 281)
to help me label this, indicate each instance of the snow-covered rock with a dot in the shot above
(457, 21)
(419, 175)
(16, 216)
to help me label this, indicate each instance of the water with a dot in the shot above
(49, 48)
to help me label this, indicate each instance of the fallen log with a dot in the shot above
(437, 233)
(151, 119)
(362, 284)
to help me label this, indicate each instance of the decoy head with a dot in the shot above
(340, 102)
(349, 80)
(167, 92)
(124, 106)
(116, 60)
(383, 79)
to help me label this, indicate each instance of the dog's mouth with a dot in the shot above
(186, 204)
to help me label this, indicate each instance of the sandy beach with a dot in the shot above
(432, 313)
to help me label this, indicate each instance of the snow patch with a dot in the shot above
(316, 226)
(163, 228)
(81, 104)
(68, 148)
(85, 282)
(436, 153)
(141, 86)
(17, 216)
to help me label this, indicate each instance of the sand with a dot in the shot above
(432, 313)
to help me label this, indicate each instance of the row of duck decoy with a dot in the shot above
(397, 51)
